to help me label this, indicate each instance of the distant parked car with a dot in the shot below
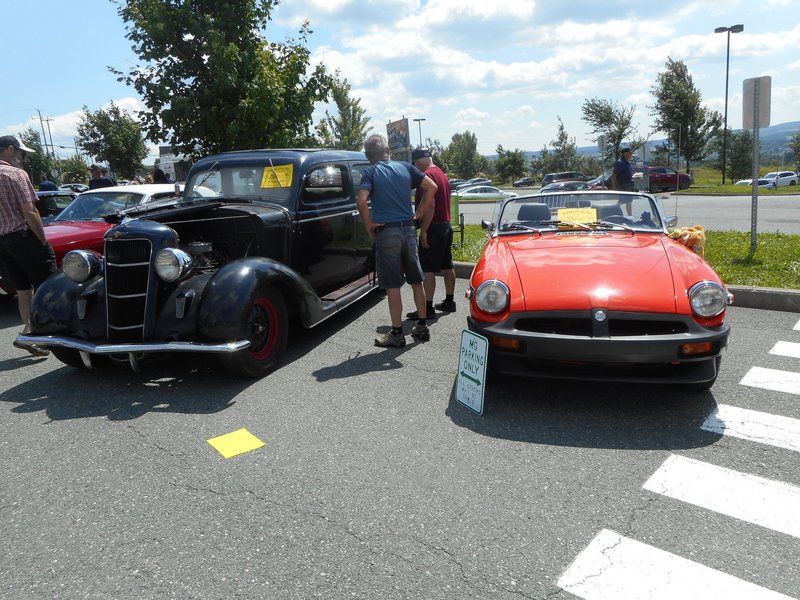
(565, 186)
(74, 187)
(524, 181)
(782, 178)
(767, 184)
(562, 176)
(483, 192)
(666, 178)
(473, 182)
(455, 182)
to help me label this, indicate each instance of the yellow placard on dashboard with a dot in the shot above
(578, 215)
(279, 176)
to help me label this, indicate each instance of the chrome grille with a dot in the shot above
(127, 279)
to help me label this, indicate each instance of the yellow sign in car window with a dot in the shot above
(578, 215)
(279, 176)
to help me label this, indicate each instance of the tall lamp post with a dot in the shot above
(729, 31)
(419, 122)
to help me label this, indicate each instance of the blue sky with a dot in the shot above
(505, 70)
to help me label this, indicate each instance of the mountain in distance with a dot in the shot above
(772, 139)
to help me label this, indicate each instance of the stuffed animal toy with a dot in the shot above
(691, 237)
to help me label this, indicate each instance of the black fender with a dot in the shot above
(55, 306)
(230, 293)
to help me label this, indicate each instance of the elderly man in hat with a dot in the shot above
(26, 258)
(437, 256)
(99, 180)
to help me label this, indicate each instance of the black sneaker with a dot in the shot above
(446, 306)
(421, 332)
(390, 340)
(429, 314)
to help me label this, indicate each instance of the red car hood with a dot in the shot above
(620, 272)
(76, 235)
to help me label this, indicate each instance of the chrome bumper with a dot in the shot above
(143, 348)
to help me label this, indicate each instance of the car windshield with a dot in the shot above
(580, 210)
(270, 182)
(93, 206)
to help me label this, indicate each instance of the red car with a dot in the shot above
(81, 226)
(596, 292)
(665, 178)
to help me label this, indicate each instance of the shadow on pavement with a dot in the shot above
(590, 414)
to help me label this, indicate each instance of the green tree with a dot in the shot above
(510, 164)
(462, 155)
(437, 150)
(679, 112)
(794, 146)
(739, 157)
(211, 81)
(613, 121)
(40, 164)
(73, 170)
(349, 129)
(112, 136)
(565, 150)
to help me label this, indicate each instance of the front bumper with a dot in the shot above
(48, 341)
(625, 347)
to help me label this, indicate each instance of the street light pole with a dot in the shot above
(419, 122)
(729, 31)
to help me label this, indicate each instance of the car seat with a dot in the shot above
(534, 212)
(604, 211)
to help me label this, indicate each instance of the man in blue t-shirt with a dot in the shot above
(392, 225)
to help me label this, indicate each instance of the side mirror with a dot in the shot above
(487, 224)
(671, 221)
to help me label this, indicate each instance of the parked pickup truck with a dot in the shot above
(666, 178)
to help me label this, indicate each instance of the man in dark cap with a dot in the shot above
(437, 255)
(26, 258)
(623, 175)
(99, 180)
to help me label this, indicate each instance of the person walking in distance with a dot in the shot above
(438, 255)
(26, 258)
(623, 176)
(392, 225)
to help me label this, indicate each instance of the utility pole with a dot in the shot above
(52, 147)
(44, 137)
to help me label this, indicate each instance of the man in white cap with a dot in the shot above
(26, 258)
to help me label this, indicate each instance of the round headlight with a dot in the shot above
(172, 264)
(81, 265)
(708, 299)
(492, 296)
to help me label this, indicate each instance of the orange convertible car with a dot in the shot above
(589, 285)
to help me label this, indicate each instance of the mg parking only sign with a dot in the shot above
(471, 376)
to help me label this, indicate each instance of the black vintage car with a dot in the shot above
(258, 237)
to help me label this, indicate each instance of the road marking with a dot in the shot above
(613, 566)
(755, 426)
(797, 326)
(791, 349)
(765, 502)
(772, 379)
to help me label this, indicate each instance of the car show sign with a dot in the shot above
(471, 376)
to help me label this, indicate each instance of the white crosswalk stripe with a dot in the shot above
(754, 499)
(613, 567)
(790, 349)
(772, 379)
(755, 426)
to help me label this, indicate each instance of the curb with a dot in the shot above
(743, 296)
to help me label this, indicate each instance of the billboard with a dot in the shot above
(397, 135)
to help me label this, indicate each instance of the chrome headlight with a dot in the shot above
(81, 265)
(172, 264)
(492, 296)
(708, 299)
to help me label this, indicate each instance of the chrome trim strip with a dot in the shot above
(83, 346)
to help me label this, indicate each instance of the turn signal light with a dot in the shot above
(505, 343)
(694, 349)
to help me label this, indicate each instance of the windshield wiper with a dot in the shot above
(518, 227)
(214, 168)
(610, 224)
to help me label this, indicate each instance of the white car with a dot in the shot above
(782, 178)
(483, 192)
(767, 184)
